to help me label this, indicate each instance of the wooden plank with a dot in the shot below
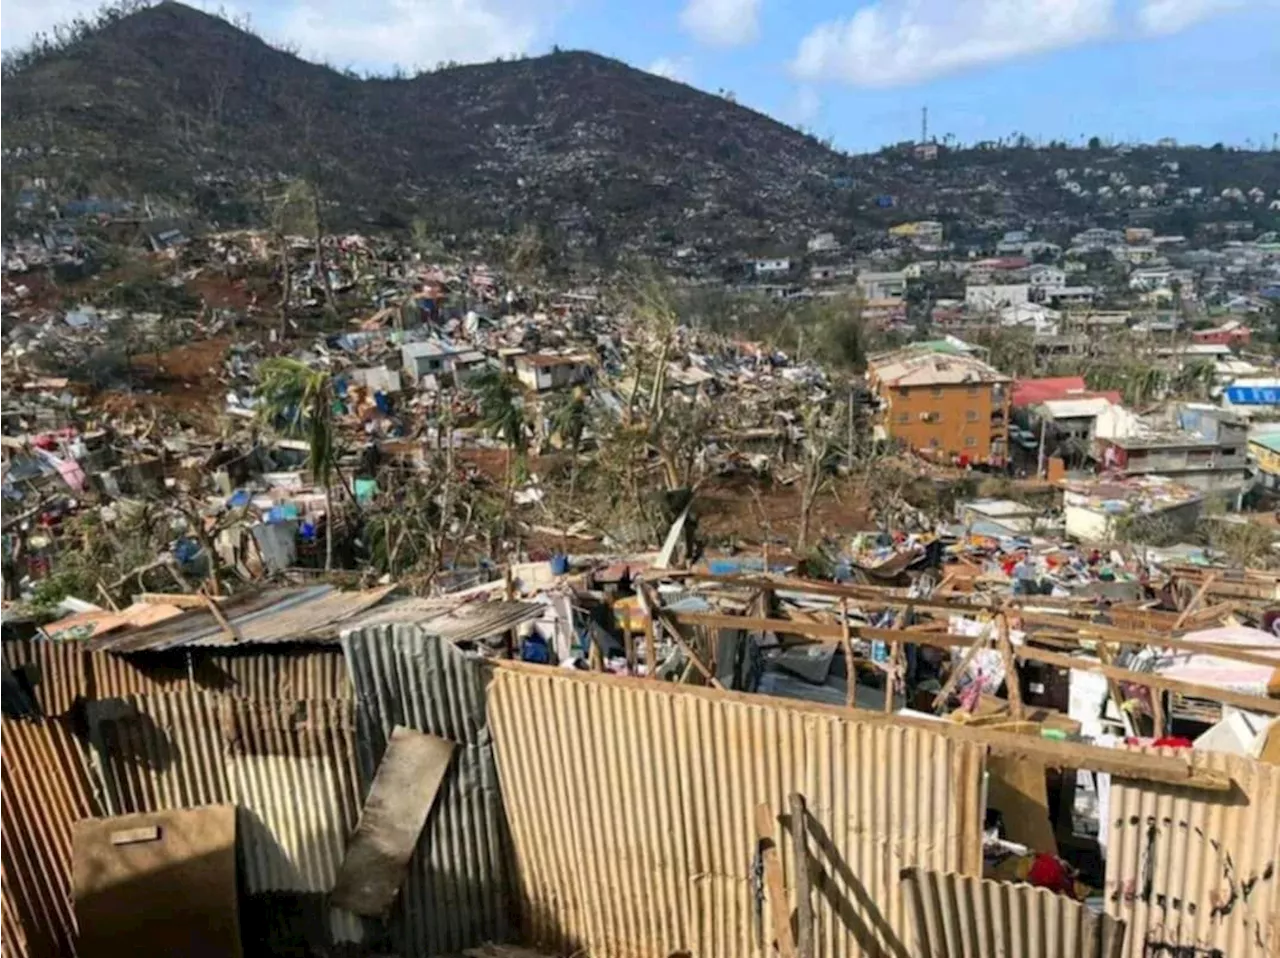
(673, 629)
(868, 595)
(180, 600)
(1023, 653)
(405, 787)
(851, 673)
(1018, 790)
(1195, 600)
(1253, 703)
(775, 887)
(800, 854)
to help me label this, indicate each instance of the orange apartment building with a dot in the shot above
(952, 407)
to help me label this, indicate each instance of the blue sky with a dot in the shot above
(857, 71)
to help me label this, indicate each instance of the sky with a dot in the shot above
(856, 71)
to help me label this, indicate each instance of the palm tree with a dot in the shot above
(298, 400)
(569, 415)
(502, 414)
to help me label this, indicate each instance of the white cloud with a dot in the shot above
(722, 23)
(1173, 16)
(673, 68)
(894, 42)
(410, 33)
(375, 34)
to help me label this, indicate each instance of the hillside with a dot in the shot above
(175, 103)
(184, 109)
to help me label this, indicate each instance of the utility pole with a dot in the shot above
(924, 124)
(1044, 423)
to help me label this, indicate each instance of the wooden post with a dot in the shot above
(1157, 711)
(775, 887)
(895, 662)
(851, 681)
(1016, 709)
(650, 647)
(945, 692)
(800, 853)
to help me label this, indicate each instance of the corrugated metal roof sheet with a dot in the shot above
(45, 789)
(1198, 873)
(954, 916)
(458, 893)
(648, 850)
(310, 614)
(453, 620)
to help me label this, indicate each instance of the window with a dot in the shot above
(973, 390)
(904, 417)
(933, 443)
(936, 392)
(970, 441)
(971, 415)
(1228, 451)
(904, 391)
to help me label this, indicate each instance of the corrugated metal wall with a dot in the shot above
(632, 807)
(45, 789)
(65, 671)
(459, 890)
(157, 752)
(954, 916)
(1194, 873)
(56, 671)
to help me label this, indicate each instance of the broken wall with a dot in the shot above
(631, 806)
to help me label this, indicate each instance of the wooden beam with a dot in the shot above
(1022, 653)
(851, 673)
(228, 629)
(800, 853)
(180, 600)
(1252, 703)
(775, 887)
(673, 629)
(1195, 600)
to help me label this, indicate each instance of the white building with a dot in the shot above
(823, 243)
(996, 296)
(771, 267)
(1046, 277)
(883, 285)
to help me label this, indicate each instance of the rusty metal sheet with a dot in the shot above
(291, 769)
(307, 613)
(956, 916)
(1197, 873)
(46, 789)
(56, 671)
(631, 807)
(459, 892)
(311, 672)
(158, 752)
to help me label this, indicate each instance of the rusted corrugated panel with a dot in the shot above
(45, 790)
(158, 752)
(1198, 873)
(956, 916)
(56, 671)
(631, 804)
(310, 613)
(292, 767)
(311, 673)
(13, 940)
(459, 890)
